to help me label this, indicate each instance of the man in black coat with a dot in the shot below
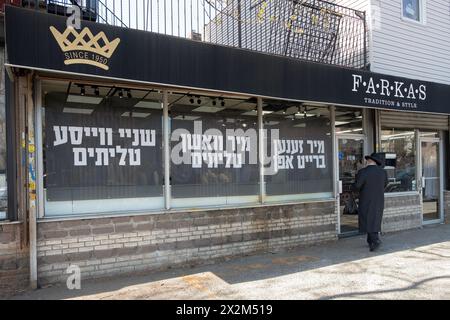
(371, 182)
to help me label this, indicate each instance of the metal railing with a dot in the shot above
(312, 30)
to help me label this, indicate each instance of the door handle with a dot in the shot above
(340, 186)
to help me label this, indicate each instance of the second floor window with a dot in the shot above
(412, 10)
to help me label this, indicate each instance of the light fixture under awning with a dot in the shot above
(255, 113)
(78, 110)
(148, 105)
(84, 99)
(190, 118)
(208, 109)
(136, 114)
(341, 123)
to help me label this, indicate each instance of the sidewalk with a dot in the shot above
(409, 265)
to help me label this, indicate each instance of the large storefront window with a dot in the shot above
(3, 184)
(214, 143)
(299, 150)
(401, 143)
(102, 149)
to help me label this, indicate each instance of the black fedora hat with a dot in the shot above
(375, 157)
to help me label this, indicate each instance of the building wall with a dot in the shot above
(408, 49)
(14, 250)
(402, 212)
(124, 244)
(14, 259)
(447, 206)
(115, 245)
(361, 5)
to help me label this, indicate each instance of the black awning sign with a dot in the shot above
(101, 50)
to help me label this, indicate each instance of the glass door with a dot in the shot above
(350, 159)
(431, 179)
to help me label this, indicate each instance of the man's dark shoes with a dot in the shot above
(374, 246)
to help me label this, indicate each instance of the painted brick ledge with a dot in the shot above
(447, 206)
(139, 248)
(116, 245)
(134, 223)
(136, 264)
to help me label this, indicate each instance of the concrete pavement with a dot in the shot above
(412, 264)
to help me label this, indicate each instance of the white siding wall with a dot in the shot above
(360, 5)
(411, 49)
(403, 48)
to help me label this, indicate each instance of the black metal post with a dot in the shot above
(11, 166)
(239, 23)
(365, 40)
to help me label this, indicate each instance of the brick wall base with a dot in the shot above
(401, 212)
(109, 246)
(14, 260)
(446, 206)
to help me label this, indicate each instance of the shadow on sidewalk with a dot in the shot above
(361, 294)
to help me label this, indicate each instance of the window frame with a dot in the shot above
(43, 204)
(415, 137)
(263, 201)
(422, 13)
(9, 213)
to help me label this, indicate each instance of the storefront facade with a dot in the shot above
(146, 151)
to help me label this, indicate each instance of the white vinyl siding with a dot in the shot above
(261, 33)
(409, 49)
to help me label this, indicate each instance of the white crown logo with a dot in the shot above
(85, 41)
